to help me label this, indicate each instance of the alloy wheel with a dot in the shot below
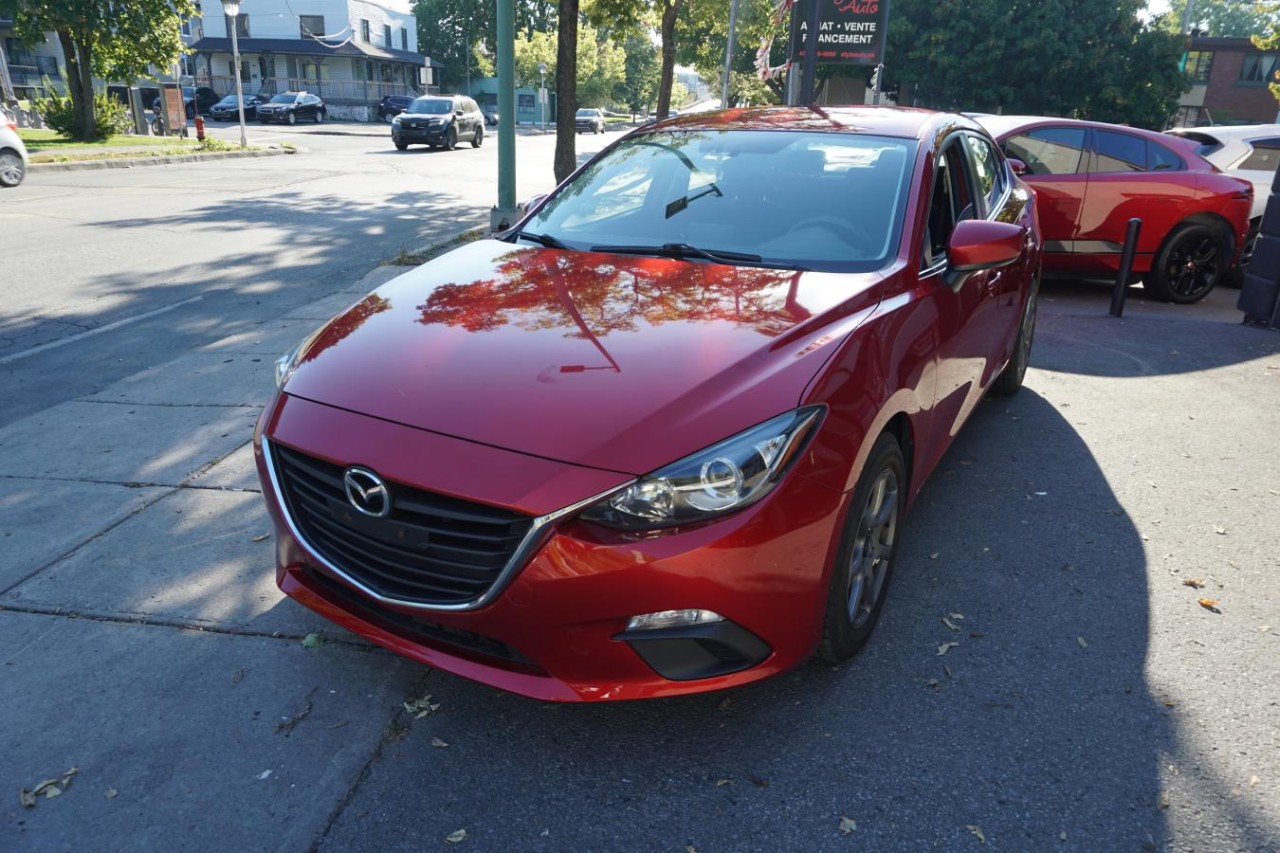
(11, 169)
(1194, 265)
(873, 549)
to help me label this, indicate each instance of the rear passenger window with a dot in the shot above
(1048, 150)
(1161, 159)
(1265, 156)
(1120, 152)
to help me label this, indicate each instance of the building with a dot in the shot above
(351, 53)
(24, 70)
(1230, 78)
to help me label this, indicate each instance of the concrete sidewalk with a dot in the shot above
(158, 681)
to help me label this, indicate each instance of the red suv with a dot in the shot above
(1091, 178)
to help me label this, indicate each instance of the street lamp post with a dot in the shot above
(231, 8)
(542, 92)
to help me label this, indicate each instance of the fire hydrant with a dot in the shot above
(199, 127)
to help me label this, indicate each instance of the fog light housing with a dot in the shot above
(672, 619)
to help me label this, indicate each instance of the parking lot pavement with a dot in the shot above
(1092, 701)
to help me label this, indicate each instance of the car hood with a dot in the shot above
(617, 362)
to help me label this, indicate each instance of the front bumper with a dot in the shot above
(434, 134)
(557, 630)
(273, 115)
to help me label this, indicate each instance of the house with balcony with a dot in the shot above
(351, 53)
(24, 71)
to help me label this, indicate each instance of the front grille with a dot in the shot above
(432, 549)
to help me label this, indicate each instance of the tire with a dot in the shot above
(477, 139)
(451, 138)
(1010, 379)
(292, 118)
(401, 146)
(1191, 262)
(1235, 278)
(12, 170)
(319, 116)
(864, 563)
(387, 117)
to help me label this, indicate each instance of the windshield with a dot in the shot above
(816, 200)
(586, 113)
(284, 98)
(431, 106)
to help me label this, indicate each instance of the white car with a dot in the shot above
(1251, 152)
(13, 154)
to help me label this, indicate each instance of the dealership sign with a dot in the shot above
(850, 32)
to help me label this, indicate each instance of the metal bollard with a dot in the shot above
(1126, 264)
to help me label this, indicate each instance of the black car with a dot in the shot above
(291, 108)
(439, 120)
(225, 110)
(200, 98)
(392, 105)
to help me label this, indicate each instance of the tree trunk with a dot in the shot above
(670, 10)
(566, 158)
(79, 86)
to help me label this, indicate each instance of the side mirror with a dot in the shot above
(1019, 168)
(978, 245)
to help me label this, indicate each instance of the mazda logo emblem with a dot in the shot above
(367, 492)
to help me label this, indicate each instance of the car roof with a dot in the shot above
(881, 121)
(1002, 125)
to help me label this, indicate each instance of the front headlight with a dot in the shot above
(720, 479)
(287, 363)
(395, 120)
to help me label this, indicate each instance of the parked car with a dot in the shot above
(1093, 177)
(291, 108)
(661, 437)
(13, 153)
(1250, 152)
(439, 121)
(227, 109)
(490, 116)
(392, 105)
(197, 99)
(588, 121)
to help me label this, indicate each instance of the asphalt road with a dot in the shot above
(110, 271)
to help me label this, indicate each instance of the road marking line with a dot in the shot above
(110, 327)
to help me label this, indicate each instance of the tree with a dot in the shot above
(640, 74)
(451, 32)
(1221, 18)
(1083, 58)
(669, 13)
(102, 38)
(566, 157)
(1270, 40)
(598, 83)
(704, 34)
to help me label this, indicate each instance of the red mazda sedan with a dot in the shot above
(659, 438)
(1091, 178)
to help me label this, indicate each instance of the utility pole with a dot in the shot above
(728, 56)
(506, 214)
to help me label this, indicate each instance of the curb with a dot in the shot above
(158, 160)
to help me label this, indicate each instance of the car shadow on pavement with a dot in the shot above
(1004, 699)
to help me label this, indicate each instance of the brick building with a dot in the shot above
(1230, 79)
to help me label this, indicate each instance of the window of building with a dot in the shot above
(386, 35)
(311, 26)
(242, 26)
(404, 39)
(244, 70)
(1198, 64)
(1258, 68)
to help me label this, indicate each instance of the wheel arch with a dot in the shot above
(1215, 221)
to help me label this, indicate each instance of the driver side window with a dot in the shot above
(949, 203)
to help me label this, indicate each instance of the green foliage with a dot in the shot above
(639, 86)
(103, 38)
(1086, 58)
(1270, 40)
(453, 31)
(213, 143)
(1222, 18)
(58, 111)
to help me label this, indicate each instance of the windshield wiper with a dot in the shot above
(682, 250)
(541, 239)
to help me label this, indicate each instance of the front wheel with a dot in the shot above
(451, 139)
(864, 563)
(11, 168)
(1010, 379)
(478, 139)
(319, 116)
(293, 118)
(401, 146)
(1191, 262)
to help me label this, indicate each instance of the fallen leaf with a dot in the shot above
(261, 537)
(1221, 531)
(720, 783)
(933, 556)
(689, 848)
(422, 707)
(1062, 836)
(313, 641)
(976, 832)
(455, 837)
(1209, 604)
(947, 670)
(27, 799)
(847, 825)
(1169, 703)
(954, 615)
(439, 744)
(112, 793)
(1162, 802)
(946, 647)
(1084, 644)
(1194, 583)
(1041, 494)
(239, 676)
(52, 791)
(1253, 781)
(724, 706)
(953, 626)
(264, 774)
(934, 683)
(757, 781)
